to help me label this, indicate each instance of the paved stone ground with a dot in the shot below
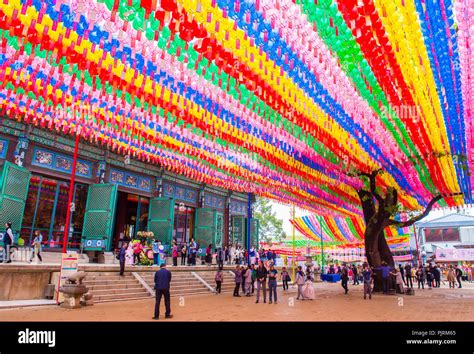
(330, 304)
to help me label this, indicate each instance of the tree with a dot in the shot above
(379, 212)
(271, 228)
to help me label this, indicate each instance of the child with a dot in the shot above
(308, 290)
(285, 278)
(219, 278)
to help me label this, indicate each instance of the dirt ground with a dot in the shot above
(330, 304)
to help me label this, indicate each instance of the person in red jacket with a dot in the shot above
(175, 253)
(137, 249)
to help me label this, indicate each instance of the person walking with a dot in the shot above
(175, 253)
(355, 280)
(219, 278)
(162, 288)
(156, 252)
(285, 278)
(451, 277)
(300, 283)
(344, 278)
(409, 281)
(402, 273)
(36, 246)
(121, 257)
(272, 282)
(248, 280)
(261, 282)
(238, 280)
(437, 276)
(183, 254)
(7, 241)
(458, 275)
(367, 279)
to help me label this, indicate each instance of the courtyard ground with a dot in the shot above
(330, 304)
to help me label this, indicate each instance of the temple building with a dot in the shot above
(114, 196)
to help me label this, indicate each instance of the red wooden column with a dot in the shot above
(71, 193)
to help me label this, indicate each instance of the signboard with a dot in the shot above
(454, 255)
(69, 263)
(442, 235)
(407, 257)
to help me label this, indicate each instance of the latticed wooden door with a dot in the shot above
(161, 219)
(254, 233)
(219, 229)
(14, 184)
(205, 226)
(238, 230)
(99, 217)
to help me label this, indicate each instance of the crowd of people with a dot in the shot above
(251, 279)
(400, 278)
(190, 252)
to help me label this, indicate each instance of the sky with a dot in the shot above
(283, 212)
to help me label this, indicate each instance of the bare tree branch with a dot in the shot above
(430, 205)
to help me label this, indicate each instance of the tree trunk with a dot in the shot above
(376, 249)
(378, 217)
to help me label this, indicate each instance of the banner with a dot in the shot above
(69, 264)
(455, 255)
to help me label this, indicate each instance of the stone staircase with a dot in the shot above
(228, 284)
(109, 286)
(183, 283)
(55, 257)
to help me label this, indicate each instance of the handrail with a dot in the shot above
(144, 283)
(203, 282)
